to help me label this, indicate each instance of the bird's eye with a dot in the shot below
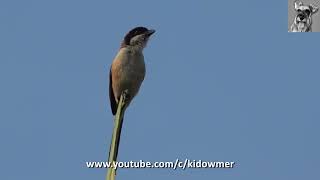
(299, 10)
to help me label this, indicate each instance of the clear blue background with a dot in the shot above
(225, 82)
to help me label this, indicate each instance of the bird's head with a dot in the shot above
(138, 37)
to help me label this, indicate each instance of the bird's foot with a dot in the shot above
(125, 95)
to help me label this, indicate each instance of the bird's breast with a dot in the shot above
(128, 71)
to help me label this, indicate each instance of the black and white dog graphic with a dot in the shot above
(303, 21)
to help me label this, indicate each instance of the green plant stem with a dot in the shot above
(113, 152)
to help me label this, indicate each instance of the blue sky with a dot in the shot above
(225, 82)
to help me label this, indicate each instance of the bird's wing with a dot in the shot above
(113, 102)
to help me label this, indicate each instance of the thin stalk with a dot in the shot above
(113, 152)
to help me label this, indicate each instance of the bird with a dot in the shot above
(128, 69)
(126, 75)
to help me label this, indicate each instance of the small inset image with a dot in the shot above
(303, 16)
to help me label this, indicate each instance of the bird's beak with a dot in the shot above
(150, 32)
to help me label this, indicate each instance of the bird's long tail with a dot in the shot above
(115, 141)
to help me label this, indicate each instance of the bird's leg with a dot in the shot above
(125, 95)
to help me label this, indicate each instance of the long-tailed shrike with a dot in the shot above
(128, 68)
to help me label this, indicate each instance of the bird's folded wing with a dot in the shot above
(113, 102)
